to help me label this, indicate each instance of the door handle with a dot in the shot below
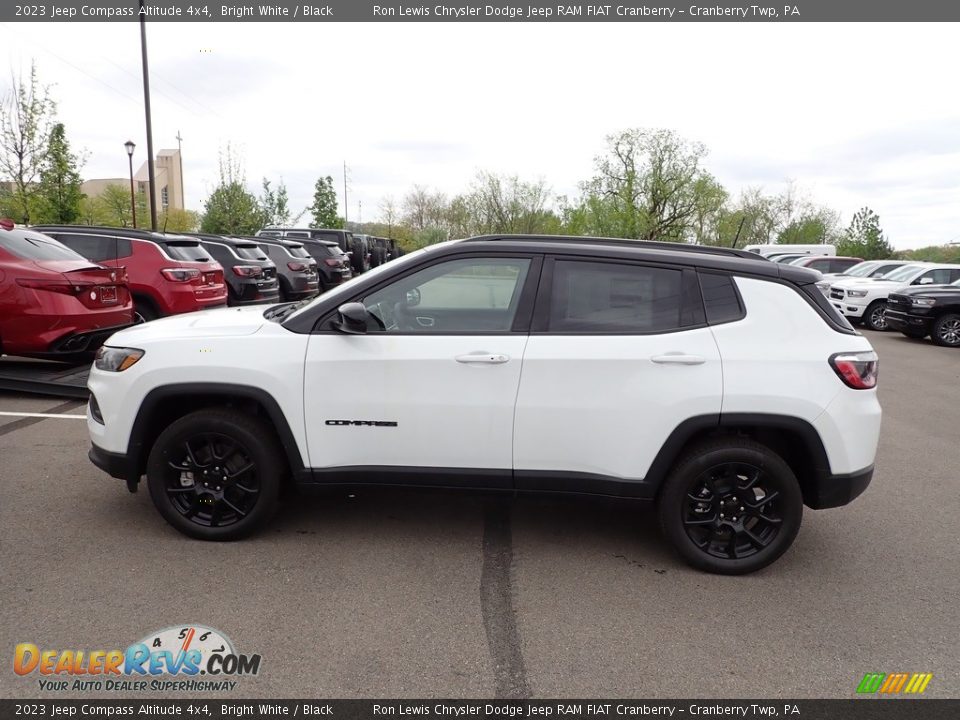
(678, 359)
(483, 357)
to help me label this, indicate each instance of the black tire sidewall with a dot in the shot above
(937, 324)
(673, 497)
(255, 439)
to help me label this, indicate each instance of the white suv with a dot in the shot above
(719, 385)
(865, 299)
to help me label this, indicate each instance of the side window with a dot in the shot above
(839, 266)
(594, 297)
(940, 276)
(95, 248)
(469, 295)
(954, 275)
(822, 265)
(720, 298)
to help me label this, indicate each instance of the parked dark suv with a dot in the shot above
(932, 310)
(167, 274)
(356, 247)
(296, 269)
(251, 275)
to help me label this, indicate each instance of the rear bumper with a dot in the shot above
(84, 342)
(830, 491)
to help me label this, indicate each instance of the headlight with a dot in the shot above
(116, 359)
(925, 302)
(857, 293)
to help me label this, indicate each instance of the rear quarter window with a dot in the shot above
(720, 298)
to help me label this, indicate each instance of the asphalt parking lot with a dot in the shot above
(407, 595)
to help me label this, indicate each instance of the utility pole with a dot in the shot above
(151, 177)
(360, 213)
(345, 206)
(183, 201)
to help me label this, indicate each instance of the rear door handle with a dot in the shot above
(483, 357)
(678, 359)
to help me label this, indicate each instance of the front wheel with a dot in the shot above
(731, 506)
(946, 330)
(875, 317)
(216, 474)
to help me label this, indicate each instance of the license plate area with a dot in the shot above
(108, 294)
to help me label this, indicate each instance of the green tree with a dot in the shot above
(26, 121)
(324, 208)
(177, 220)
(864, 237)
(275, 204)
(112, 208)
(58, 196)
(231, 209)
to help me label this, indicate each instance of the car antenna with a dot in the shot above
(737, 237)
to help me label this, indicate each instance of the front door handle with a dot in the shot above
(678, 359)
(483, 357)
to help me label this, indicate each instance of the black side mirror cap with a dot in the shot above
(353, 319)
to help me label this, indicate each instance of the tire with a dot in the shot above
(144, 312)
(946, 330)
(707, 481)
(225, 508)
(873, 317)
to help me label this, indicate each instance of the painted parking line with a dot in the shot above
(41, 415)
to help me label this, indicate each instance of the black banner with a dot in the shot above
(860, 709)
(474, 11)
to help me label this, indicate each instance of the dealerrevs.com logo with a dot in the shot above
(172, 659)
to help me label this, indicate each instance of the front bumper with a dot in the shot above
(114, 464)
(899, 320)
(849, 307)
(830, 491)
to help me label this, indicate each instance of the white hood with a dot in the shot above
(222, 322)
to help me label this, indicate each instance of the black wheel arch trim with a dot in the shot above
(137, 451)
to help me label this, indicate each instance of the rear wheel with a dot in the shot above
(875, 317)
(731, 506)
(144, 312)
(216, 474)
(946, 330)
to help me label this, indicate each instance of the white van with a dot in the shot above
(768, 250)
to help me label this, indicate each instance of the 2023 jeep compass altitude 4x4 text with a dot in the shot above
(717, 384)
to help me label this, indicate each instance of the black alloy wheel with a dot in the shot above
(216, 474)
(730, 506)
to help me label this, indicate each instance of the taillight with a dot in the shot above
(180, 274)
(330, 262)
(92, 295)
(298, 266)
(57, 286)
(247, 270)
(857, 370)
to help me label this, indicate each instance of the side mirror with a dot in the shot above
(353, 319)
(925, 281)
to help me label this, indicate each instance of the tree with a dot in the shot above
(508, 205)
(275, 204)
(26, 122)
(231, 209)
(647, 186)
(864, 237)
(58, 196)
(177, 220)
(112, 208)
(324, 208)
(389, 213)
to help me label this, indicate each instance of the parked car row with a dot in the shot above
(65, 288)
(362, 252)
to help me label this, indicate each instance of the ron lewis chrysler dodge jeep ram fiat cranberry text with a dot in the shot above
(716, 383)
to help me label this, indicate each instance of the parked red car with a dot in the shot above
(168, 274)
(54, 302)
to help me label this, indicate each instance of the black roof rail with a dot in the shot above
(640, 244)
(134, 233)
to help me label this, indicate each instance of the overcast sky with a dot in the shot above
(856, 114)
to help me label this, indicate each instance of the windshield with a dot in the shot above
(861, 269)
(33, 246)
(904, 273)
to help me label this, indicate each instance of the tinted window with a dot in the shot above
(299, 251)
(296, 234)
(842, 265)
(822, 264)
(607, 297)
(249, 252)
(940, 276)
(33, 246)
(720, 298)
(472, 295)
(97, 247)
(188, 252)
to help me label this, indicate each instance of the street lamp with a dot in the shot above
(129, 145)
